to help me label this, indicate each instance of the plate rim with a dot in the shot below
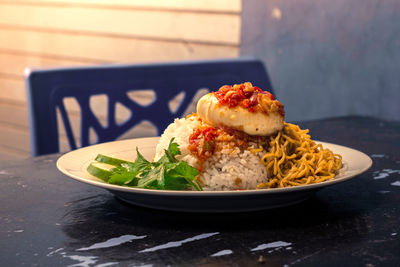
(113, 187)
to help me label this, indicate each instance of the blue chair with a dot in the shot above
(47, 88)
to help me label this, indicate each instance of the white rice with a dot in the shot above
(228, 169)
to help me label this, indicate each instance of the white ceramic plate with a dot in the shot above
(74, 164)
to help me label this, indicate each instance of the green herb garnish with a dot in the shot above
(167, 173)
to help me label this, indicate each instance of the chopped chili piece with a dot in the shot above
(244, 95)
(206, 140)
(202, 142)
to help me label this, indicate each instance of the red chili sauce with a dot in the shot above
(202, 143)
(244, 95)
(206, 140)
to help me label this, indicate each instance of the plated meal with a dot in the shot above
(237, 140)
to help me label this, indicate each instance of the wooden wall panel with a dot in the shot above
(15, 64)
(54, 33)
(12, 89)
(190, 26)
(10, 153)
(95, 49)
(14, 131)
(14, 137)
(233, 6)
(14, 114)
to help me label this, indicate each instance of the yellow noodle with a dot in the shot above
(256, 150)
(294, 159)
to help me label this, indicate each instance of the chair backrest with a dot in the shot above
(47, 89)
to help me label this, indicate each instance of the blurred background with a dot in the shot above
(324, 58)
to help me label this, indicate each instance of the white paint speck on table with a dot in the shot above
(276, 244)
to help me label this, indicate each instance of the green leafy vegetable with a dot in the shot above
(167, 173)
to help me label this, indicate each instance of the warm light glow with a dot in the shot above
(276, 13)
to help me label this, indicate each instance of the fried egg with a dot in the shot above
(265, 121)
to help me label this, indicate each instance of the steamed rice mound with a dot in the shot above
(229, 168)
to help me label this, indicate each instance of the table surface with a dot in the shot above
(48, 219)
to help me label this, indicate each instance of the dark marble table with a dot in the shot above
(48, 219)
